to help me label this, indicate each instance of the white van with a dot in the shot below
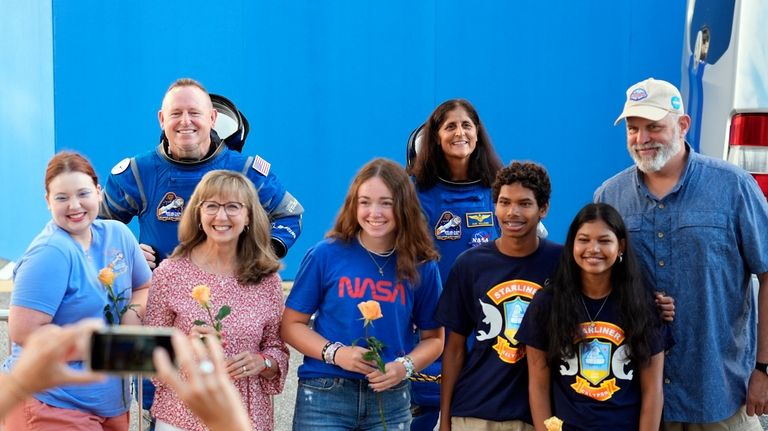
(725, 82)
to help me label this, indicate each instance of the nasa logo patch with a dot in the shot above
(121, 166)
(170, 207)
(480, 238)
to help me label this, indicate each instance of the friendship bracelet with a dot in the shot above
(408, 364)
(328, 353)
(331, 353)
(324, 351)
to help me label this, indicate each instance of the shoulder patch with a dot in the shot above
(448, 227)
(121, 166)
(261, 166)
(170, 207)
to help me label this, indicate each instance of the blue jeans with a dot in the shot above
(329, 403)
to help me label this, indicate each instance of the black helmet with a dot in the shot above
(412, 148)
(231, 124)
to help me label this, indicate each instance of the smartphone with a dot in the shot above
(128, 349)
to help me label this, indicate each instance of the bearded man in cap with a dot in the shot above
(700, 228)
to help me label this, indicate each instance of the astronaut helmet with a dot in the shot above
(413, 145)
(231, 125)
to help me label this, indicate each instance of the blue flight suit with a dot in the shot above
(155, 187)
(460, 215)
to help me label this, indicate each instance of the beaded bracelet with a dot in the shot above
(408, 364)
(325, 349)
(334, 349)
(329, 353)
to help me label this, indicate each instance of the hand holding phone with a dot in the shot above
(128, 349)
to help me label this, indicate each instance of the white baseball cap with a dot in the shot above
(651, 99)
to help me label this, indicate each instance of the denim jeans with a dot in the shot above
(328, 403)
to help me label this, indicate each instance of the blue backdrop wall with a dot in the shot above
(26, 120)
(326, 86)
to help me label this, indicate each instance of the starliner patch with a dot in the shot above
(601, 364)
(480, 219)
(448, 227)
(170, 207)
(510, 302)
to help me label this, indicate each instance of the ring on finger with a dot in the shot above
(245, 370)
(206, 367)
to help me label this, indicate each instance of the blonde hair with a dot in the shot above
(255, 257)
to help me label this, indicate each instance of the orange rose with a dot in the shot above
(202, 294)
(371, 310)
(107, 276)
(553, 424)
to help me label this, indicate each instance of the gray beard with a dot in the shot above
(663, 155)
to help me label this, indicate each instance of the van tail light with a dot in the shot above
(748, 146)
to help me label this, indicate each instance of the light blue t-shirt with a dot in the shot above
(335, 276)
(56, 277)
(699, 244)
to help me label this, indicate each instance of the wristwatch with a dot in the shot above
(762, 366)
(268, 363)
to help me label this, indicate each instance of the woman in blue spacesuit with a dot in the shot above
(454, 168)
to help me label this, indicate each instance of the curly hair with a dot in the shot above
(430, 162)
(530, 175)
(637, 317)
(255, 257)
(412, 241)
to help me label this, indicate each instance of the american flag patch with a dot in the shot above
(261, 166)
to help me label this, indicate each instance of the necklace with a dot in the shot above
(211, 265)
(592, 320)
(388, 254)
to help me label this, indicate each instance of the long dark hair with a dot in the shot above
(430, 160)
(638, 318)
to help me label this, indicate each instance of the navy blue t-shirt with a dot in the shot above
(485, 297)
(599, 389)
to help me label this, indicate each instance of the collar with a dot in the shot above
(457, 183)
(691, 160)
(217, 147)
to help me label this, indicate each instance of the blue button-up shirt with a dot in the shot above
(700, 243)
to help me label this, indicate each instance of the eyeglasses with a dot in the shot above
(230, 208)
